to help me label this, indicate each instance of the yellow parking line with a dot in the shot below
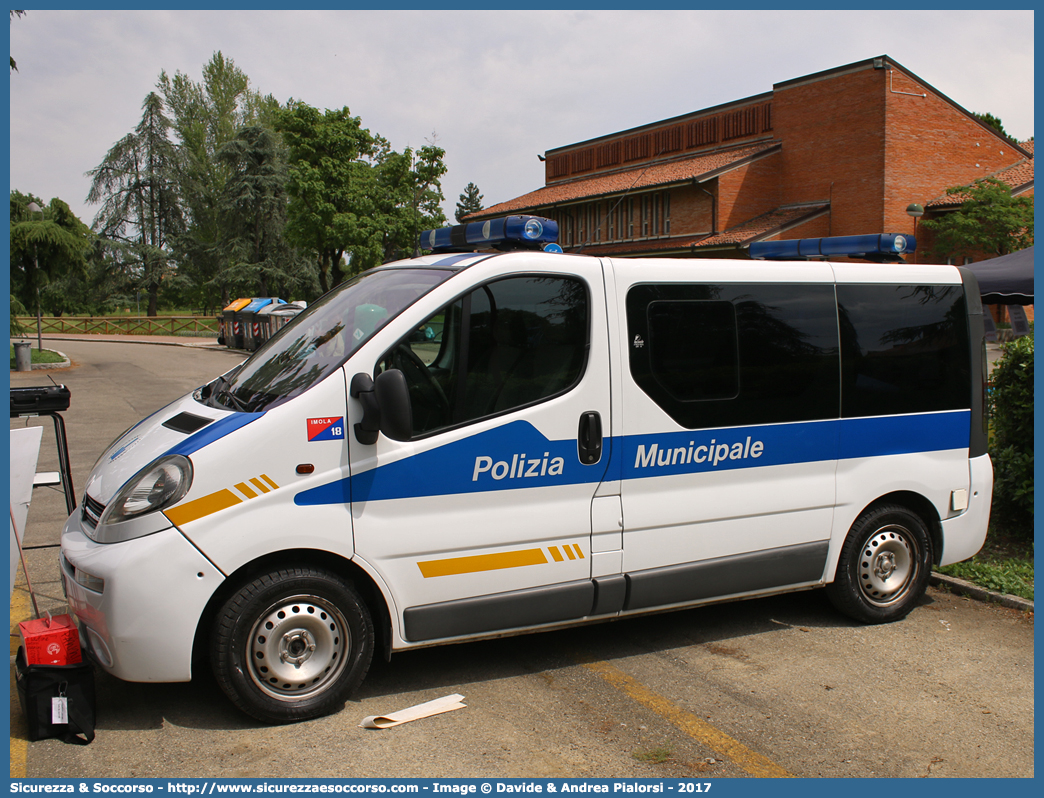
(20, 611)
(724, 746)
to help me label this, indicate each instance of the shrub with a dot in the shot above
(17, 309)
(1011, 440)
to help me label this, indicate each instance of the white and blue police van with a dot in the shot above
(477, 443)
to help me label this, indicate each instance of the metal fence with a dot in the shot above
(189, 326)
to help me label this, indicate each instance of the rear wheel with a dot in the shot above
(884, 566)
(292, 644)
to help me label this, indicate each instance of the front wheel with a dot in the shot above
(292, 645)
(884, 566)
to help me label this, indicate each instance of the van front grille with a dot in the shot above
(92, 510)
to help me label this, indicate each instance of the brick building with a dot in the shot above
(840, 152)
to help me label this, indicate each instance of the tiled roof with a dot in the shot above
(768, 224)
(775, 221)
(645, 246)
(1027, 146)
(1016, 176)
(656, 174)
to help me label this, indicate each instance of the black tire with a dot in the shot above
(883, 569)
(292, 645)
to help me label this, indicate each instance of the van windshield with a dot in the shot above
(320, 339)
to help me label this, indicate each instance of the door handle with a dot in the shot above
(589, 438)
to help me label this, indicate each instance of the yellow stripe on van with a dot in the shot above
(245, 489)
(205, 505)
(482, 562)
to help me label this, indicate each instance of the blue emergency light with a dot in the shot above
(876, 247)
(507, 232)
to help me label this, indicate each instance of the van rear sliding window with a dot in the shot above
(904, 349)
(728, 355)
(733, 355)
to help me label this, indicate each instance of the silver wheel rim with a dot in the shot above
(298, 648)
(887, 566)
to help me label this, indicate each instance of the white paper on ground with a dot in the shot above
(436, 707)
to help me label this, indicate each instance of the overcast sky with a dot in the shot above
(494, 89)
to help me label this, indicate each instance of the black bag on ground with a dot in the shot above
(39, 684)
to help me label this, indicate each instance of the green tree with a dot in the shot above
(205, 117)
(1011, 439)
(410, 199)
(992, 121)
(470, 202)
(253, 219)
(14, 66)
(45, 245)
(332, 187)
(108, 285)
(136, 185)
(990, 222)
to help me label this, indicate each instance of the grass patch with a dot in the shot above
(39, 356)
(654, 756)
(1004, 565)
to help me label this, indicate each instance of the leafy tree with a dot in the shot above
(14, 66)
(470, 202)
(136, 184)
(429, 167)
(204, 118)
(44, 249)
(17, 309)
(1011, 441)
(990, 222)
(253, 219)
(332, 186)
(992, 121)
(410, 199)
(108, 285)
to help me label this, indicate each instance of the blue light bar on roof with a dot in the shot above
(888, 246)
(504, 233)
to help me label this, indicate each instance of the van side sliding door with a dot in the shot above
(729, 446)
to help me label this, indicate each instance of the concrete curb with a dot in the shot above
(963, 588)
(189, 343)
(44, 366)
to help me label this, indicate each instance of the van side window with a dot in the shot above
(508, 344)
(904, 349)
(693, 349)
(729, 355)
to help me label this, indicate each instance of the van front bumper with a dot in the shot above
(139, 621)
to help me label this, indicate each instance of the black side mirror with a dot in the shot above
(386, 406)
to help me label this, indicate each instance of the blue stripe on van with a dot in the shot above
(925, 432)
(212, 432)
(488, 461)
(517, 456)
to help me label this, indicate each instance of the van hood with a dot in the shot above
(179, 428)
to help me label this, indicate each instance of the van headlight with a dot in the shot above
(155, 487)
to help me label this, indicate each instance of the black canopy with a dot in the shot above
(1007, 280)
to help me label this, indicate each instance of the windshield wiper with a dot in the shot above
(236, 403)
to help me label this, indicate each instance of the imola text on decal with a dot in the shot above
(712, 453)
(519, 468)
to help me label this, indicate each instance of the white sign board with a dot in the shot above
(25, 451)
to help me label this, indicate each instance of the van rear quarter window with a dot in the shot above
(904, 349)
(729, 355)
